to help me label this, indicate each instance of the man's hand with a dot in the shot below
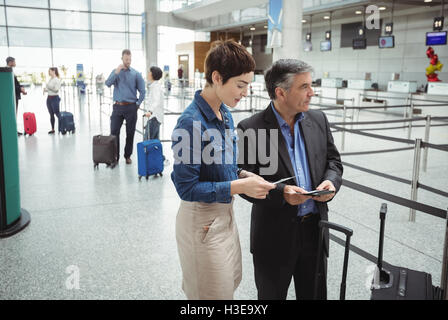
(292, 197)
(119, 68)
(22, 89)
(148, 114)
(325, 185)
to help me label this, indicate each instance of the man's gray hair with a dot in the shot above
(281, 74)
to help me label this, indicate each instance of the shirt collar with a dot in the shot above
(206, 109)
(281, 122)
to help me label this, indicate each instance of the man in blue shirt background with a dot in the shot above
(126, 81)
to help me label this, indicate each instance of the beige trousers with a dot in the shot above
(210, 260)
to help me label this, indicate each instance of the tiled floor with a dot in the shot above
(116, 234)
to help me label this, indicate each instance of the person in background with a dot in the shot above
(11, 63)
(126, 81)
(156, 98)
(53, 100)
(180, 75)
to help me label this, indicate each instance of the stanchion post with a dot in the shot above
(343, 132)
(444, 277)
(353, 111)
(425, 152)
(411, 112)
(415, 176)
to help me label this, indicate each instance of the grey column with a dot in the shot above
(151, 35)
(291, 31)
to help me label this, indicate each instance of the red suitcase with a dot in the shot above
(29, 123)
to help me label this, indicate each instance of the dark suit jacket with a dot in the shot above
(17, 88)
(272, 228)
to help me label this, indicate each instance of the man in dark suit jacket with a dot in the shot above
(11, 62)
(299, 143)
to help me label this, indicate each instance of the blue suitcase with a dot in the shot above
(66, 123)
(150, 158)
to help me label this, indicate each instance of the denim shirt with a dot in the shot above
(126, 84)
(205, 153)
(297, 154)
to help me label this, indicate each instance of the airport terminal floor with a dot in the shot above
(118, 233)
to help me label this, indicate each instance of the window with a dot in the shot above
(25, 37)
(3, 39)
(71, 39)
(135, 41)
(28, 3)
(81, 5)
(20, 17)
(135, 23)
(31, 59)
(108, 22)
(136, 6)
(69, 20)
(2, 15)
(108, 40)
(116, 6)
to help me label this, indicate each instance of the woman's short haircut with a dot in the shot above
(156, 73)
(281, 74)
(229, 58)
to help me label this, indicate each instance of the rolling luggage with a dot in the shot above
(150, 157)
(29, 123)
(104, 150)
(348, 233)
(398, 283)
(66, 123)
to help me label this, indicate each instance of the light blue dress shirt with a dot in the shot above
(297, 154)
(126, 84)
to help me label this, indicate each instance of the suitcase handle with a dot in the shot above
(348, 233)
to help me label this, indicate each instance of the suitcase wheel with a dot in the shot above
(147, 177)
(64, 132)
(139, 178)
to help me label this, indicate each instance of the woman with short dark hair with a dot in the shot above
(53, 100)
(206, 233)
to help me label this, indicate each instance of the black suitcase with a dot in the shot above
(104, 150)
(398, 283)
(66, 123)
(348, 233)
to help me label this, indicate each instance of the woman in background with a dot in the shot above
(52, 88)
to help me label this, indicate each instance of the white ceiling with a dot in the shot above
(212, 8)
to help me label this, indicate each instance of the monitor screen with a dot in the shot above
(386, 42)
(435, 38)
(359, 43)
(325, 45)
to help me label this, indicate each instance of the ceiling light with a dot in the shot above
(358, 12)
(382, 8)
(427, 1)
(265, 27)
(252, 28)
(303, 21)
(326, 17)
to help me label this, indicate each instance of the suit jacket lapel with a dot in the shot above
(271, 123)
